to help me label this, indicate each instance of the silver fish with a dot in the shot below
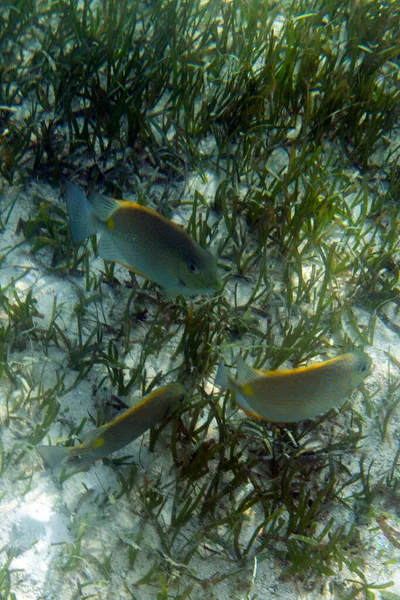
(143, 241)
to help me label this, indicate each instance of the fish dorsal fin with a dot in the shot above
(244, 372)
(91, 436)
(104, 206)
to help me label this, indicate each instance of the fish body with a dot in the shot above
(118, 433)
(293, 395)
(143, 241)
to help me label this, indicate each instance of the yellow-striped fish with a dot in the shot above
(143, 241)
(293, 395)
(118, 433)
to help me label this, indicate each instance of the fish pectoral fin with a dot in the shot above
(244, 372)
(108, 250)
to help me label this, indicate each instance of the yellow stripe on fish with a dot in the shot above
(144, 241)
(118, 433)
(294, 395)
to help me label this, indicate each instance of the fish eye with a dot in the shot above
(192, 266)
(181, 398)
(363, 368)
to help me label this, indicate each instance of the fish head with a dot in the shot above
(359, 364)
(173, 394)
(198, 273)
(175, 391)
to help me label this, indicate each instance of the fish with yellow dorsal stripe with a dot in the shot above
(144, 241)
(293, 395)
(118, 433)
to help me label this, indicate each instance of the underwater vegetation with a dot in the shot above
(270, 132)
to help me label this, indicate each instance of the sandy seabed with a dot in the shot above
(43, 526)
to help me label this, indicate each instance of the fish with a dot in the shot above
(144, 241)
(293, 395)
(113, 436)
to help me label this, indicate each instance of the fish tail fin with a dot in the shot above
(221, 378)
(55, 456)
(79, 211)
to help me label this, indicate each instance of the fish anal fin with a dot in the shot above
(241, 402)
